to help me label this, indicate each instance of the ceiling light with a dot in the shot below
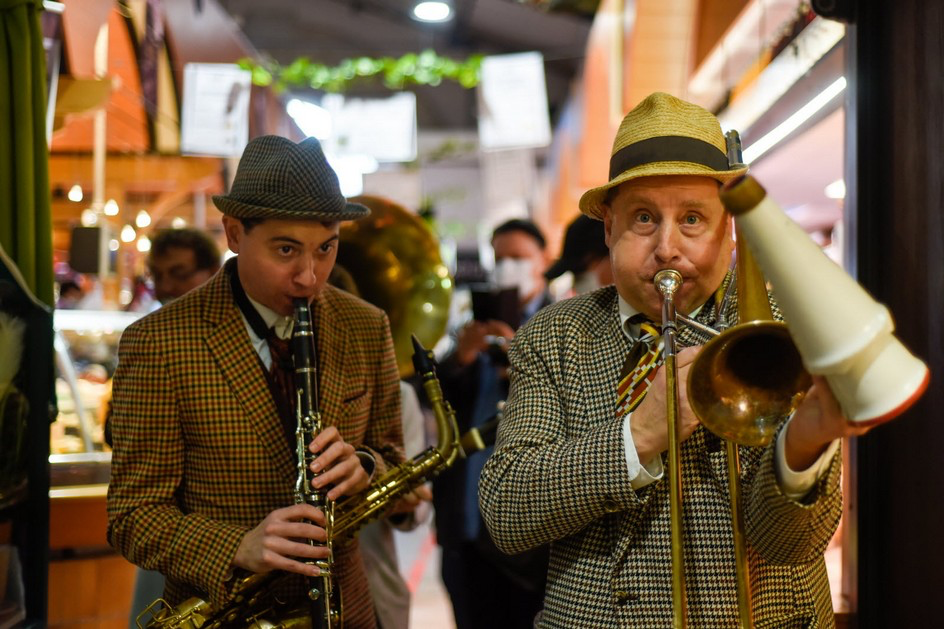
(836, 190)
(127, 233)
(113, 244)
(143, 219)
(89, 218)
(178, 223)
(144, 244)
(791, 124)
(432, 12)
(75, 193)
(111, 208)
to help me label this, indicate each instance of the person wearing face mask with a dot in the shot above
(487, 587)
(584, 255)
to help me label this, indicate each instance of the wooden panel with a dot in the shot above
(598, 123)
(895, 192)
(77, 522)
(126, 127)
(714, 17)
(659, 57)
(87, 593)
(81, 22)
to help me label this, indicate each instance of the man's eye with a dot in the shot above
(691, 219)
(285, 250)
(644, 217)
(327, 247)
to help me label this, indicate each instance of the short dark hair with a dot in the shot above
(521, 225)
(205, 251)
(249, 223)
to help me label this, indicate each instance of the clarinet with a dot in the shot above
(323, 597)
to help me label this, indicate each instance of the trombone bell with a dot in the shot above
(746, 381)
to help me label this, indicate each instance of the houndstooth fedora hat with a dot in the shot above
(278, 178)
(663, 135)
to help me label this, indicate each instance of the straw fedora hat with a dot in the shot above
(278, 178)
(663, 135)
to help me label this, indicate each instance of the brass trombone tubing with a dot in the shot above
(741, 567)
(698, 326)
(668, 282)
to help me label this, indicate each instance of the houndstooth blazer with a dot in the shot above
(200, 456)
(559, 475)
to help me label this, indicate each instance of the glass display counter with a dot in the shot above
(86, 350)
(86, 345)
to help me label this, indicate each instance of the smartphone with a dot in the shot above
(501, 304)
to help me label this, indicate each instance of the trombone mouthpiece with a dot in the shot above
(667, 281)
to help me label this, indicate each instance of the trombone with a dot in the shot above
(836, 330)
(735, 394)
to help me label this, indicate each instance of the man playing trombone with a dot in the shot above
(579, 459)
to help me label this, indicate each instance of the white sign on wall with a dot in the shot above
(215, 111)
(383, 128)
(512, 102)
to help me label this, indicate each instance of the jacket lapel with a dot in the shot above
(330, 345)
(239, 365)
(610, 346)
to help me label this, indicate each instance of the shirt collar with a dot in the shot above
(626, 312)
(282, 324)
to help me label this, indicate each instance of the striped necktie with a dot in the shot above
(640, 367)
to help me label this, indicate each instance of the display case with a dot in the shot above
(86, 355)
(86, 350)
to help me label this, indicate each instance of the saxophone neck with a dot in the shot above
(425, 365)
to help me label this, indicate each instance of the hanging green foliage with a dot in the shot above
(425, 68)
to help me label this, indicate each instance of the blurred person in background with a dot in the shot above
(70, 294)
(487, 587)
(180, 260)
(585, 256)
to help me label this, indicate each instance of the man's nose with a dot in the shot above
(305, 272)
(667, 247)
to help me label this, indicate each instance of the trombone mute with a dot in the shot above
(841, 332)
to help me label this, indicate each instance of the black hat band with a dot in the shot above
(667, 149)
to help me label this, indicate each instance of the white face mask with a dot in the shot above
(510, 272)
(585, 282)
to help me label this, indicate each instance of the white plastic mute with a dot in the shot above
(841, 332)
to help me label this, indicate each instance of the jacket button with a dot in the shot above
(622, 596)
(610, 506)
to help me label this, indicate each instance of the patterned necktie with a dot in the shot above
(282, 381)
(640, 367)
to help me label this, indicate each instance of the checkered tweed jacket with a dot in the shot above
(559, 475)
(200, 456)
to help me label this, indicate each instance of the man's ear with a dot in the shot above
(234, 231)
(729, 235)
(607, 224)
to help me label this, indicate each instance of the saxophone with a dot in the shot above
(253, 604)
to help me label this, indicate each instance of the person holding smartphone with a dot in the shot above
(487, 587)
